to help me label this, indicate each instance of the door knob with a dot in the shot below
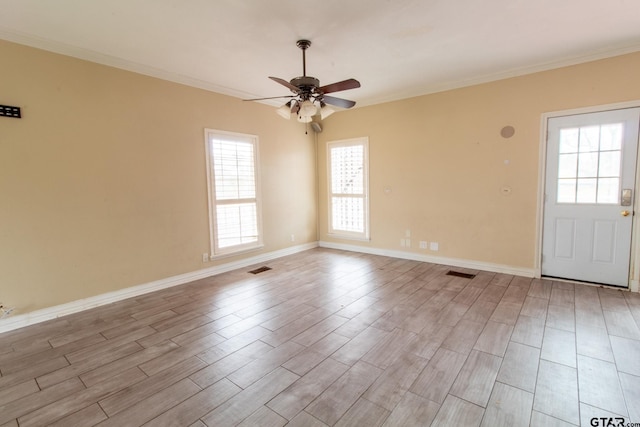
(625, 213)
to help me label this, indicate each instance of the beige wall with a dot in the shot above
(444, 160)
(103, 182)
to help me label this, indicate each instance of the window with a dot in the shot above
(348, 188)
(589, 164)
(234, 207)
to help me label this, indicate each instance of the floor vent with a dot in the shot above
(459, 274)
(260, 270)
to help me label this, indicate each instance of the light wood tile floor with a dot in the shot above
(334, 338)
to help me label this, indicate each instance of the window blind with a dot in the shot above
(233, 186)
(348, 184)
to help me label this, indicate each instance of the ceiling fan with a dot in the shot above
(309, 96)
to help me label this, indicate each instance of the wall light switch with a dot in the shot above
(434, 246)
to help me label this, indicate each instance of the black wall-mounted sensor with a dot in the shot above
(9, 111)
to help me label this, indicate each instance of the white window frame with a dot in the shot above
(215, 249)
(333, 231)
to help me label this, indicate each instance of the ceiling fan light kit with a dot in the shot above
(285, 111)
(307, 109)
(309, 97)
(326, 111)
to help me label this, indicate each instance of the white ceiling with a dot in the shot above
(395, 48)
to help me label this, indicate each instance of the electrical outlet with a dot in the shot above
(423, 244)
(205, 257)
(434, 246)
(293, 237)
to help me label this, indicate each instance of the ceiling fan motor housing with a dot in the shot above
(305, 84)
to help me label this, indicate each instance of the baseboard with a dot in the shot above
(31, 318)
(454, 262)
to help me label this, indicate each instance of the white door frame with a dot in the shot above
(634, 265)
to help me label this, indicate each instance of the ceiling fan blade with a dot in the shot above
(343, 85)
(338, 102)
(285, 83)
(270, 97)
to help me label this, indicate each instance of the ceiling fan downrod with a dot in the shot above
(304, 45)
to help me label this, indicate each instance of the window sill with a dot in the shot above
(348, 237)
(237, 252)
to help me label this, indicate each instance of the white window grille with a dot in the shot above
(589, 164)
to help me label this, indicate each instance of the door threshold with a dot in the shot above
(584, 282)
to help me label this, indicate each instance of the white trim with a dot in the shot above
(124, 64)
(27, 319)
(454, 262)
(542, 170)
(635, 234)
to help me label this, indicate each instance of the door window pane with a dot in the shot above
(611, 137)
(569, 140)
(609, 164)
(589, 138)
(586, 190)
(567, 165)
(589, 164)
(566, 191)
(608, 190)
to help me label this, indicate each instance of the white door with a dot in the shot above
(589, 192)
